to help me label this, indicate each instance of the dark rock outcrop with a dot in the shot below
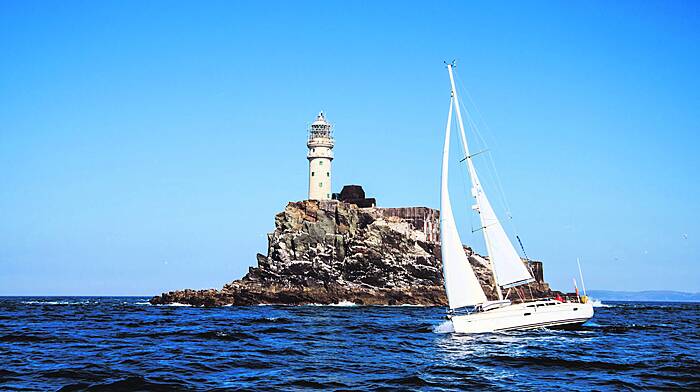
(328, 252)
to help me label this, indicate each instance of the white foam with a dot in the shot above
(142, 303)
(596, 303)
(344, 303)
(444, 327)
(58, 302)
(341, 303)
(175, 304)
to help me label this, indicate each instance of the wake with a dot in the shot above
(444, 327)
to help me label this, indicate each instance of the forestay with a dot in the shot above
(508, 268)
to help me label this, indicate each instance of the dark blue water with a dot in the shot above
(125, 344)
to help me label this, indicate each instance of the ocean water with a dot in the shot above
(110, 343)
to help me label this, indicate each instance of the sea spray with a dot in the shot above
(341, 304)
(596, 303)
(444, 327)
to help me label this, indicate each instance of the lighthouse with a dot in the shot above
(320, 156)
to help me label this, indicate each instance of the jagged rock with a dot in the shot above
(330, 251)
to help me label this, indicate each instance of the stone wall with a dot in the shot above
(423, 219)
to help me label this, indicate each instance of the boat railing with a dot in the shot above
(463, 311)
(566, 298)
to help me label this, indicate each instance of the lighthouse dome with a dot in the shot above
(320, 120)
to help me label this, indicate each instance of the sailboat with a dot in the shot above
(469, 309)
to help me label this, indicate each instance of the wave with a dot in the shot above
(405, 381)
(559, 362)
(626, 328)
(277, 330)
(344, 303)
(128, 383)
(221, 335)
(60, 302)
(599, 304)
(174, 304)
(311, 384)
(444, 327)
(267, 320)
(341, 303)
(23, 338)
(281, 352)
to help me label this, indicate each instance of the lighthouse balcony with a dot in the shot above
(320, 142)
(320, 154)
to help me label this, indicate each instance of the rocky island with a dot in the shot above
(341, 247)
(333, 251)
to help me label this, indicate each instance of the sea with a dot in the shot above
(125, 344)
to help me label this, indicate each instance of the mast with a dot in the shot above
(461, 285)
(472, 175)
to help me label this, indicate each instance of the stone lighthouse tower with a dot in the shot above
(320, 155)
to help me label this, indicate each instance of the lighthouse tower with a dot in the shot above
(320, 155)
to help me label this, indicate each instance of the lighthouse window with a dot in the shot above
(313, 150)
(320, 163)
(312, 174)
(320, 185)
(328, 174)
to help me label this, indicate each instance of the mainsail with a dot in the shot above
(461, 285)
(508, 268)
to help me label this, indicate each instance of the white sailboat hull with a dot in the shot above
(529, 315)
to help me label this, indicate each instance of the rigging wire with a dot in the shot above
(481, 136)
(495, 176)
(475, 129)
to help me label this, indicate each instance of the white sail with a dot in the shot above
(461, 285)
(508, 268)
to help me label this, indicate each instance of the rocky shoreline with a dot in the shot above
(330, 251)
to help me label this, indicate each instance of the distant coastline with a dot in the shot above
(648, 295)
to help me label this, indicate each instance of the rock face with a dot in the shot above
(330, 251)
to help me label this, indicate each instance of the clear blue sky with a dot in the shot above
(146, 146)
